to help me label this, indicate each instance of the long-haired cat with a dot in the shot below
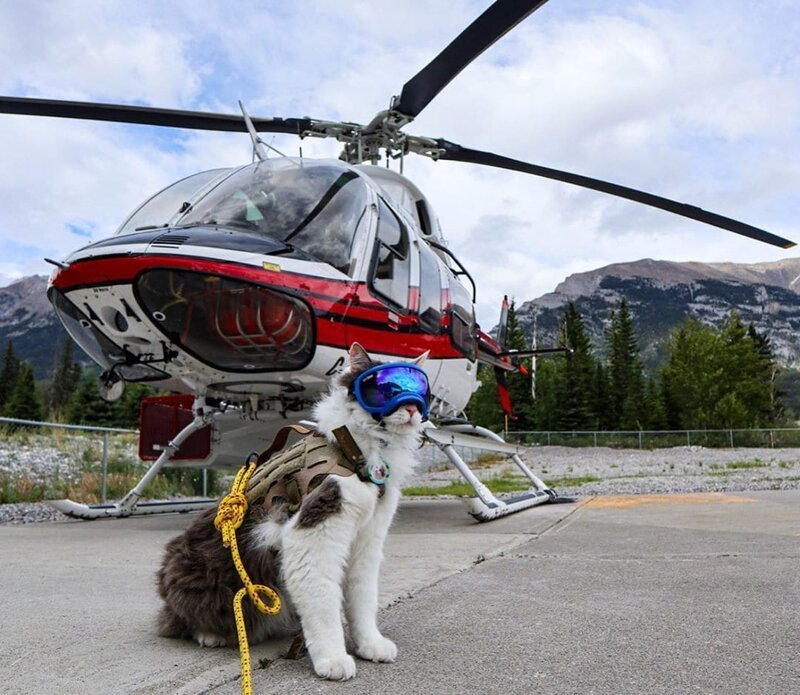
(322, 558)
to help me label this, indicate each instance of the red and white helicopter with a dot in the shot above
(240, 290)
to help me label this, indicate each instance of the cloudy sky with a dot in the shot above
(697, 101)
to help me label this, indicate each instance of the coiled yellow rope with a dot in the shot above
(230, 515)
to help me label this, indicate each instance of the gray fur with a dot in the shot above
(323, 502)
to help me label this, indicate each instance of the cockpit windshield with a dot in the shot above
(313, 207)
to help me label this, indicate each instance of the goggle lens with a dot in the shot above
(384, 388)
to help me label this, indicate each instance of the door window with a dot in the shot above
(391, 260)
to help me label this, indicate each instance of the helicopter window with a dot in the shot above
(163, 206)
(430, 291)
(391, 263)
(316, 209)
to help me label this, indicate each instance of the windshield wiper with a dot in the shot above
(337, 186)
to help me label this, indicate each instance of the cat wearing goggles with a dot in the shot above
(324, 558)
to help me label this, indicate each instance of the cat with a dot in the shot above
(320, 560)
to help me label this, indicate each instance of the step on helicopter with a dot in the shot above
(239, 290)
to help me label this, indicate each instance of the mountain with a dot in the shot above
(660, 294)
(28, 319)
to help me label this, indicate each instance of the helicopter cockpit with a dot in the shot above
(312, 210)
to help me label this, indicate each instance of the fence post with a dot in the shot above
(731, 433)
(595, 439)
(688, 439)
(640, 439)
(205, 482)
(104, 489)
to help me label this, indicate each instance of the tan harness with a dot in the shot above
(289, 476)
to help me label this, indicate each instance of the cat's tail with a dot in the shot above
(170, 624)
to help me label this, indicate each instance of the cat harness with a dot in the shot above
(289, 476)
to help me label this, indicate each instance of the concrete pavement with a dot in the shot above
(645, 594)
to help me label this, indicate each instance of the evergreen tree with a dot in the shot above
(600, 398)
(8, 374)
(546, 411)
(484, 408)
(86, 406)
(23, 402)
(690, 377)
(126, 409)
(767, 374)
(578, 371)
(719, 378)
(519, 382)
(626, 382)
(654, 416)
(66, 376)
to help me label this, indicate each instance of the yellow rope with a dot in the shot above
(230, 515)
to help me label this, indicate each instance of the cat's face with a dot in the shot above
(406, 416)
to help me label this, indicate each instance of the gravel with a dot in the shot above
(617, 472)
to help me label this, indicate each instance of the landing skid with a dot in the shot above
(484, 506)
(130, 505)
(100, 511)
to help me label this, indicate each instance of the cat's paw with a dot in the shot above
(209, 639)
(379, 649)
(335, 668)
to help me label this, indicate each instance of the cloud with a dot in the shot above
(698, 102)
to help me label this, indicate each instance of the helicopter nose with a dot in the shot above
(229, 324)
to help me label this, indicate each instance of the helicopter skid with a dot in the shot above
(484, 506)
(77, 510)
(481, 511)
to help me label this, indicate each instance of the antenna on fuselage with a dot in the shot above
(259, 146)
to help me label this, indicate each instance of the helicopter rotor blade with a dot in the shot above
(146, 115)
(457, 153)
(495, 22)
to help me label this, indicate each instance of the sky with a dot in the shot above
(697, 101)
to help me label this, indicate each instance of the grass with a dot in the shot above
(736, 465)
(79, 473)
(499, 485)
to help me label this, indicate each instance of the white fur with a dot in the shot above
(335, 564)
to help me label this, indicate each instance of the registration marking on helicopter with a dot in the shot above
(274, 267)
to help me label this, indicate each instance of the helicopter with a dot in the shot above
(239, 290)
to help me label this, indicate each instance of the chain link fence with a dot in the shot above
(89, 464)
(775, 437)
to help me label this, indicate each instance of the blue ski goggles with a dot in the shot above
(382, 389)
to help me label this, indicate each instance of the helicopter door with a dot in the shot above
(391, 261)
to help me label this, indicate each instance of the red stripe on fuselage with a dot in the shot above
(345, 311)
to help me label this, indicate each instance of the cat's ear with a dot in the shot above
(421, 359)
(359, 358)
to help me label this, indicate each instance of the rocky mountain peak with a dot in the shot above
(25, 302)
(661, 294)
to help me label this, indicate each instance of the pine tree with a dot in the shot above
(8, 374)
(23, 402)
(578, 371)
(768, 373)
(691, 376)
(66, 377)
(519, 383)
(86, 407)
(546, 412)
(626, 382)
(484, 408)
(719, 378)
(600, 398)
(126, 409)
